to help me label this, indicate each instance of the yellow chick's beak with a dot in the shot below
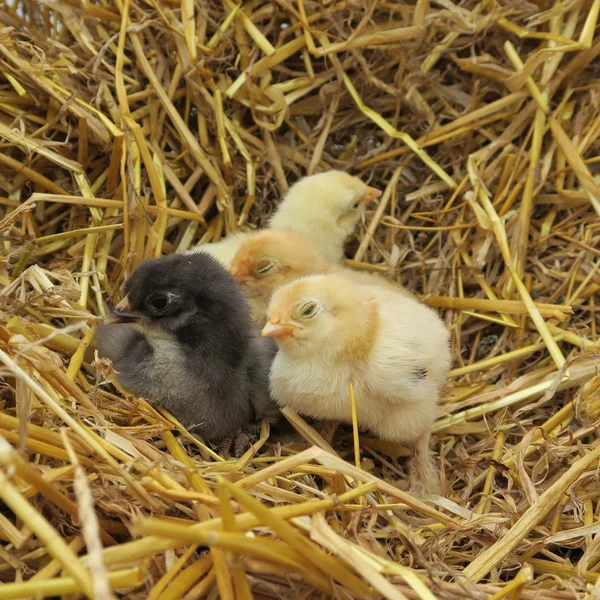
(277, 329)
(121, 313)
(371, 194)
(243, 279)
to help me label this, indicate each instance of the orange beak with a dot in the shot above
(371, 194)
(241, 278)
(277, 329)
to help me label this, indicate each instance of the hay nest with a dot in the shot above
(132, 129)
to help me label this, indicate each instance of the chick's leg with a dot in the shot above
(225, 446)
(245, 438)
(423, 476)
(327, 430)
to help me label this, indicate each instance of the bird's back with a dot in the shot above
(371, 279)
(411, 350)
(224, 250)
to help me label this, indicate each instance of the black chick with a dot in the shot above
(190, 346)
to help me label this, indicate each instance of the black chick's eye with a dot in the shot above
(159, 303)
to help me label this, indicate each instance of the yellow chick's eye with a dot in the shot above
(308, 310)
(264, 268)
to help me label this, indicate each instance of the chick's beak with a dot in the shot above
(121, 313)
(277, 329)
(372, 194)
(241, 277)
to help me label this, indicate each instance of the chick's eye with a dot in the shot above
(309, 310)
(159, 303)
(263, 268)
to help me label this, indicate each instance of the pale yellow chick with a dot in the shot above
(271, 258)
(394, 350)
(324, 207)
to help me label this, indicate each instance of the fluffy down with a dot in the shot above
(183, 339)
(224, 250)
(332, 332)
(268, 259)
(324, 207)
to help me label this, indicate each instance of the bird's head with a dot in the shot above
(173, 293)
(322, 314)
(337, 194)
(271, 258)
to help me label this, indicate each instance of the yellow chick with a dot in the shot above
(395, 351)
(271, 258)
(324, 207)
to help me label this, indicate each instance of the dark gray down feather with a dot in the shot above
(192, 348)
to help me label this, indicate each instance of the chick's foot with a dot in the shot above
(245, 438)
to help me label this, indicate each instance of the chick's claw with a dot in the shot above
(245, 438)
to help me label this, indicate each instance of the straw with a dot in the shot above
(493, 555)
(130, 130)
(54, 543)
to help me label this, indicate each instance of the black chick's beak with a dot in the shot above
(122, 313)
